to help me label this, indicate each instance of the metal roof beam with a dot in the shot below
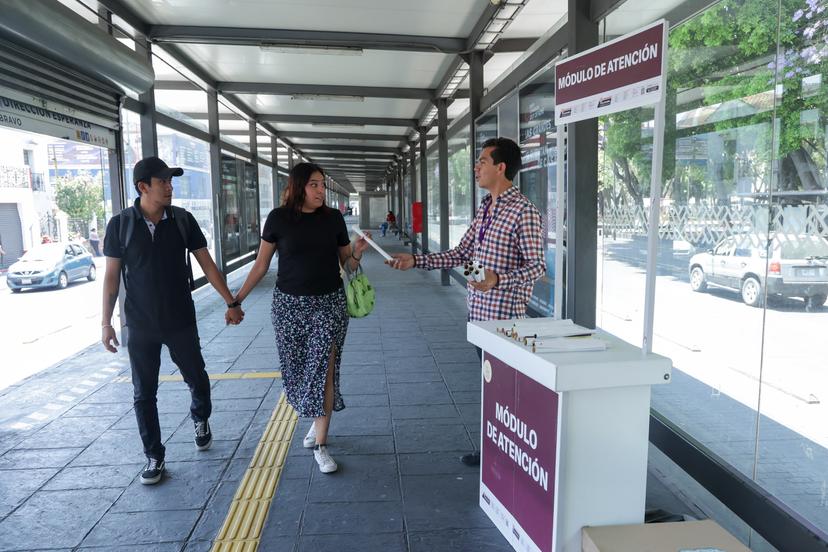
(343, 136)
(369, 150)
(177, 85)
(333, 120)
(314, 91)
(291, 38)
(122, 10)
(512, 45)
(222, 116)
(367, 158)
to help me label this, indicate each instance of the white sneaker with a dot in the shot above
(310, 439)
(323, 458)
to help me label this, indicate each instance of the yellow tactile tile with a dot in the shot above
(225, 376)
(243, 525)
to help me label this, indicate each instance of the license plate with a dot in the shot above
(26, 281)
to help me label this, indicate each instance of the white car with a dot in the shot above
(787, 265)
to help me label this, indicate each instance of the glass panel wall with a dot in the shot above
(230, 201)
(251, 208)
(459, 185)
(432, 161)
(265, 192)
(538, 177)
(131, 136)
(192, 190)
(484, 128)
(743, 262)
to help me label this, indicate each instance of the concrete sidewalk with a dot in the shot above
(70, 452)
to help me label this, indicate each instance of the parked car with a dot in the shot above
(51, 265)
(796, 266)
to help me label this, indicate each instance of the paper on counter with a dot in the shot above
(570, 345)
(373, 244)
(545, 328)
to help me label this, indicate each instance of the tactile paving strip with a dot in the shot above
(242, 528)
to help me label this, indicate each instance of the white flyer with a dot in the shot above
(373, 244)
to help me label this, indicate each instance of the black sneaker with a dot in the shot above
(203, 437)
(153, 471)
(471, 459)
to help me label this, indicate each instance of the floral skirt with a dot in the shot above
(307, 327)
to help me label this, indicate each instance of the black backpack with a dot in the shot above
(131, 215)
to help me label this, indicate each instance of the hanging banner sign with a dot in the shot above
(622, 74)
(25, 116)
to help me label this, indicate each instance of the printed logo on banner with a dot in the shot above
(622, 74)
(25, 116)
(519, 456)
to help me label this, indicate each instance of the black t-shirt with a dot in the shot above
(158, 293)
(308, 246)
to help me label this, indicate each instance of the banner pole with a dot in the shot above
(560, 210)
(655, 205)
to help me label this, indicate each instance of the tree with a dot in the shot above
(79, 197)
(748, 72)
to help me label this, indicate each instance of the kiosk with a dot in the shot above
(564, 430)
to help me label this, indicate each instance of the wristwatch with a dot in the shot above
(234, 304)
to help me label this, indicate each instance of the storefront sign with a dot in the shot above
(24, 116)
(622, 74)
(518, 476)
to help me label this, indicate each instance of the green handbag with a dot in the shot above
(359, 294)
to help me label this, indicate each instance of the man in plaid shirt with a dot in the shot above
(506, 237)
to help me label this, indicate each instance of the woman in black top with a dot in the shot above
(309, 309)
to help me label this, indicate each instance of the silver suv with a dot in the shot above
(797, 267)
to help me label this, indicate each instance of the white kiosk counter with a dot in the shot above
(564, 435)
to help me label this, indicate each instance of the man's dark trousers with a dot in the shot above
(145, 359)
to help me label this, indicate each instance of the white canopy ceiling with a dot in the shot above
(354, 76)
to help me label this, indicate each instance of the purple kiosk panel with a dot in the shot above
(519, 456)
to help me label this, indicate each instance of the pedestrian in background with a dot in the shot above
(309, 310)
(94, 240)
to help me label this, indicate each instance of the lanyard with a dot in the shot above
(484, 227)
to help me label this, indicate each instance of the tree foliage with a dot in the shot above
(746, 79)
(79, 197)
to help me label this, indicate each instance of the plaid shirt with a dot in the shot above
(512, 246)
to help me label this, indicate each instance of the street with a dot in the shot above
(42, 327)
(717, 339)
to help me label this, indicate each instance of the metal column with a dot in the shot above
(475, 61)
(215, 176)
(442, 147)
(412, 171)
(149, 133)
(118, 194)
(424, 186)
(401, 195)
(582, 188)
(274, 154)
(290, 158)
(254, 158)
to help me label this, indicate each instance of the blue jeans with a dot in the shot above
(384, 228)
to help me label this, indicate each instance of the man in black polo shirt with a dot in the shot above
(150, 244)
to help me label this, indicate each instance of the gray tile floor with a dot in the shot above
(70, 453)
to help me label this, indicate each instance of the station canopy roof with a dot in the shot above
(347, 83)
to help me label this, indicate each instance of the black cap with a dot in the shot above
(148, 167)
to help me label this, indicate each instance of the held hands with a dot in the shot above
(109, 339)
(487, 283)
(234, 316)
(401, 261)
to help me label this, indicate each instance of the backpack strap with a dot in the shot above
(182, 222)
(126, 227)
